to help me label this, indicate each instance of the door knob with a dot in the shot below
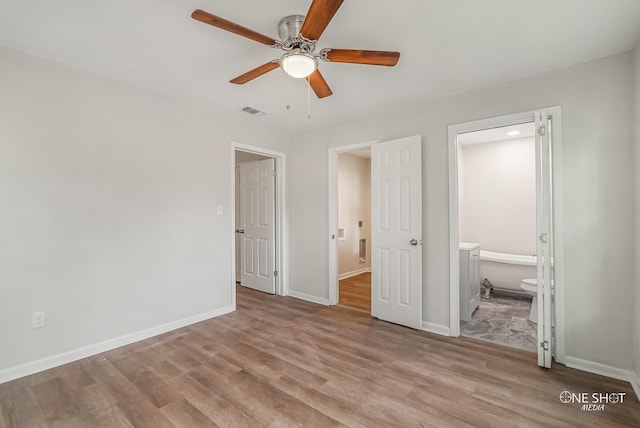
(413, 242)
(239, 230)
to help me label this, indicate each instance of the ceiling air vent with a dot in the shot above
(253, 111)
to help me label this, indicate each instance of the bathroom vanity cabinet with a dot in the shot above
(469, 279)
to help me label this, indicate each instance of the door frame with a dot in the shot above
(558, 224)
(333, 213)
(281, 220)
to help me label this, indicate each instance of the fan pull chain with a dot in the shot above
(308, 98)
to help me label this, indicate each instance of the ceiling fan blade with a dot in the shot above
(358, 56)
(319, 85)
(216, 21)
(318, 17)
(256, 72)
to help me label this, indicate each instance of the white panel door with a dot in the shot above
(257, 225)
(544, 242)
(396, 205)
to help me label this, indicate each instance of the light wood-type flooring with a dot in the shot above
(355, 292)
(279, 361)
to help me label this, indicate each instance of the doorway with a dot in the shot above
(396, 228)
(255, 221)
(258, 220)
(497, 232)
(354, 229)
(514, 272)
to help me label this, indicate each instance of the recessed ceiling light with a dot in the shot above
(513, 133)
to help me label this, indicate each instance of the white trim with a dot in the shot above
(558, 224)
(333, 213)
(86, 351)
(604, 370)
(309, 298)
(635, 384)
(454, 231)
(354, 273)
(440, 329)
(557, 194)
(282, 229)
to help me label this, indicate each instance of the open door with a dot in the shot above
(396, 259)
(544, 130)
(257, 225)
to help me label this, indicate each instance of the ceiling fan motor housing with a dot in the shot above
(290, 26)
(289, 32)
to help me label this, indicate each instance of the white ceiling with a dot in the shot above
(242, 157)
(364, 154)
(446, 47)
(525, 130)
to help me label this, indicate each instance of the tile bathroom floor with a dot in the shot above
(503, 319)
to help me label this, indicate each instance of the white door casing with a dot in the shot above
(257, 225)
(396, 202)
(544, 253)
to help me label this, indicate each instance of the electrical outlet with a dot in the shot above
(38, 320)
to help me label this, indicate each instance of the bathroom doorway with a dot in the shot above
(497, 232)
(501, 231)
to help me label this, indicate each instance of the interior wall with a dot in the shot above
(597, 172)
(354, 205)
(108, 208)
(498, 207)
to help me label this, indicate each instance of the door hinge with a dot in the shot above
(543, 237)
(542, 130)
(545, 345)
(275, 173)
(275, 273)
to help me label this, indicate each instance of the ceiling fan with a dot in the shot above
(298, 37)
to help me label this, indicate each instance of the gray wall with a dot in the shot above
(597, 172)
(108, 202)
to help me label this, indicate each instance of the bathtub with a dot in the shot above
(505, 271)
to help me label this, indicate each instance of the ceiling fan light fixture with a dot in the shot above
(298, 64)
(299, 35)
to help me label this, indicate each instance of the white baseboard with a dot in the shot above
(354, 273)
(309, 297)
(86, 351)
(440, 329)
(604, 370)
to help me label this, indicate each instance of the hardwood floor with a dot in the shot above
(355, 292)
(279, 361)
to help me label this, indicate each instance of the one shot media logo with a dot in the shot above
(592, 401)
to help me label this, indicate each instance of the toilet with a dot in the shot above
(531, 287)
